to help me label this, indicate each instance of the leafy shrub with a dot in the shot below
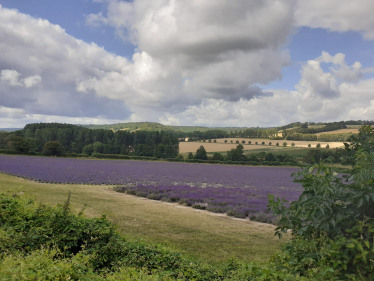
(332, 223)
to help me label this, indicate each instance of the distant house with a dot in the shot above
(186, 139)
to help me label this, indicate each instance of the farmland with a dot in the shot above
(238, 191)
(341, 131)
(189, 230)
(220, 145)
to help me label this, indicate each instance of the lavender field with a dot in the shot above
(237, 190)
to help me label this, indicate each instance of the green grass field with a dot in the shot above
(201, 234)
(294, 151)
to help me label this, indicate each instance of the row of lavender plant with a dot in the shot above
(237, 202)
(133, 173)
(236, 190)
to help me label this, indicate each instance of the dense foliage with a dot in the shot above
(77, 139)
(332, 223)
(39, 242)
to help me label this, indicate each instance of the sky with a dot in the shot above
(211, 63)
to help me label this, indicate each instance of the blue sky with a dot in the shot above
(192, 65)
(70, 15)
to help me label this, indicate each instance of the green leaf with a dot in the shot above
(350, 245)
(333, 223)
(360, 202)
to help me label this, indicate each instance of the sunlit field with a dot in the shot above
(214, 237)
(341, 131)
(220, 145)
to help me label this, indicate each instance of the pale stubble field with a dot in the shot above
(220, 145)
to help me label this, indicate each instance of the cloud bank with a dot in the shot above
(196, 62)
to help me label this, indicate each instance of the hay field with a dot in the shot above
(212, 237)
(185, 147)
(341, 131)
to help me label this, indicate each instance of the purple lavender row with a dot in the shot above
(237, 202)
(133, 173)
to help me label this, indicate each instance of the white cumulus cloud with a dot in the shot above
(337, 15)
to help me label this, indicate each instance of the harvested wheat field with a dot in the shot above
(341, 131)
(185, 147)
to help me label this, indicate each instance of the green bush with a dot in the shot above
(39, 242)
(332, 223)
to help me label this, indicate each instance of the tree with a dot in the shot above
(209, 140)
(201, 153)
(218, 156)
(190, 155)
(263, 143)
(98, 147)
(270, 157)
(53, 148)
(284, 144)
(88, 149)
(20, 144)
(318, 145)
(215, 141)
(256, 142)
(237, 142)
(236, 154)
(269, 143)
(309, 145)
(243, 141)
(249, 142)
(293, 144)
(327, 146)
(225, 141)
(231, 141)
(277, 144)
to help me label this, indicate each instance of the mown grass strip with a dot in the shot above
(198, 233)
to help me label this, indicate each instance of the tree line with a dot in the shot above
(77, 139)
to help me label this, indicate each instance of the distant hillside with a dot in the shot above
(10, 129)
(153, 126)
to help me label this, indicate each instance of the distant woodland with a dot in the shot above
(152, 139)
(77, 139)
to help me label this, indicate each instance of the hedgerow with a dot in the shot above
(40, 242)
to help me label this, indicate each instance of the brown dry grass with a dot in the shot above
(198, 233)
(185, 147)
(341, 131)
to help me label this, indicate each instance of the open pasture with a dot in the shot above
(209, 236)
(220, 145)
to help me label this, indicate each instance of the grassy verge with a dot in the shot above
(201, 234)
